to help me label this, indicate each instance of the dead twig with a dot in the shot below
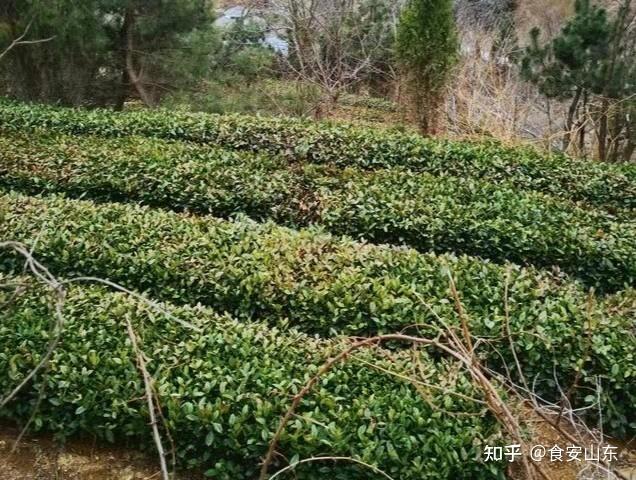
(45, 276)
(150, 398)
(21, 41)
(323, 459)
(42, 273)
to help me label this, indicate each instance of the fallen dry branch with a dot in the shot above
(150, 398)
(41, 273)
(495, 403)
(488, 381)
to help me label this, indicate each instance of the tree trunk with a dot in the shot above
(616, 127)
(124, 84)
(135, 80)
(602, 131)
(628, 151)
(582, 122)
(630, 127)
(569, 124)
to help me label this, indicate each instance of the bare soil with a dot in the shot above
(42, 458)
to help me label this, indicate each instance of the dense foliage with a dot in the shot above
(103, 51)
(429, 213)
(224, 388)
(253, 249)
(608, 186)
(323, 284)
(177, 175)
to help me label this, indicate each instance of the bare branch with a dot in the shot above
(323, 459)
(42, 273)
(150, 398)
(331, 47)
(19, 41)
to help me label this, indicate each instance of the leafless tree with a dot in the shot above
(331, 44)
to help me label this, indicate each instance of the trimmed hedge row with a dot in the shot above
(224, 390)
(470, 217)
(608, 186)
(323, 284)
(435, 213)
(178, 175)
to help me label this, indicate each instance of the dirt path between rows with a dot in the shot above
(41, 458)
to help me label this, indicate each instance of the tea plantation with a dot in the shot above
(266, 243)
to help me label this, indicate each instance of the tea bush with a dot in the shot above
(224, 389)
(437, 213)
(323, 284)
(609, 186)
(471, 217)
(177, 175)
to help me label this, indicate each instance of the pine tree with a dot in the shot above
(591, 65)
(426, 49)
(102, 50)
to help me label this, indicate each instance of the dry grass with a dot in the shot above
(548, 15)
(487, 98)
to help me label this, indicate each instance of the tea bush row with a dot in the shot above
(224, 389)
(609, 186)
(436, 213)
(323, 284)
(178, 175)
